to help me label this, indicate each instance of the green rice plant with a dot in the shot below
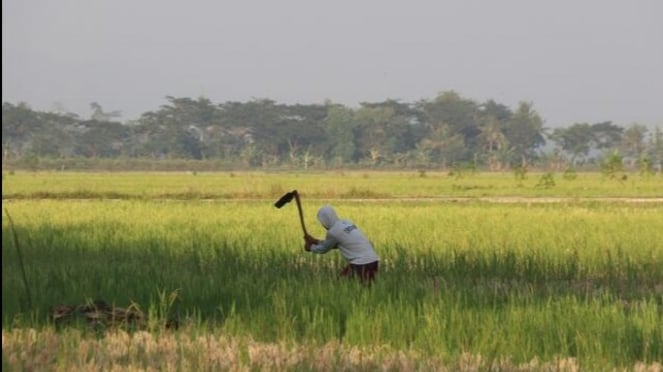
(319, 185)
(612, 164)
(570, 174)
(470, 283)
(547, 180)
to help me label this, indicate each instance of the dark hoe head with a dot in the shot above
(285, 199)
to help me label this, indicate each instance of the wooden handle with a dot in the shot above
(301, 213)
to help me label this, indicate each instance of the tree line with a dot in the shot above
(446, 131)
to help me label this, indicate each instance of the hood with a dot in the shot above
(327, 216)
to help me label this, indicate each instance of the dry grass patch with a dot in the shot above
(117, 350)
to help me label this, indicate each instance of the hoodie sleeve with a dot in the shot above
(326, 245)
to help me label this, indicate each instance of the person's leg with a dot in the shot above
(369, 271)
(358, 271)
(366, 273)
(347, 272)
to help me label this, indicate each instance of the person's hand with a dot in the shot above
(310, 240)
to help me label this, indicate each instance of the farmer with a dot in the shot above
(353, 244)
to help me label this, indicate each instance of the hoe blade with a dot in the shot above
(285, 199)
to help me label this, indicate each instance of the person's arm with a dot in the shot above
(323, 246)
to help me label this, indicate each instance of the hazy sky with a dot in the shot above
(575, 60)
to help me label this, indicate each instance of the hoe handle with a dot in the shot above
(301, 214)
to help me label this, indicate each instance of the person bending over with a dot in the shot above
(345, 236)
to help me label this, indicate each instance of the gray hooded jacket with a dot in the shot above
(344, 235)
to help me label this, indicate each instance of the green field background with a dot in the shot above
(506, 279)
(331, 184)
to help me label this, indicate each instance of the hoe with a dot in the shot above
(287, 198)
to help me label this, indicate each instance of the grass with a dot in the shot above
(317, 185)
(462, 285)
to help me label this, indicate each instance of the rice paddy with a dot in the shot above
(477, 272)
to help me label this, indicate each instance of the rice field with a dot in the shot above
(477, 272)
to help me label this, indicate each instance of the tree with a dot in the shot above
(59, 135)
(400, 127)
(19, 122)
(25, 131)
(499, 111)
(180, 128)
(611, 164)
(656, 149)
(492, 140)
(458, 115)
(575, 140)
(525, 132)
(372, 132)
(339, 126)
(493, 120)
(303, 132)
(633, 144)
(101, 139)
(98, 114)
(606, 135)
(443, 146)
(447, 130)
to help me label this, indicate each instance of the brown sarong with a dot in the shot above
(366, 273)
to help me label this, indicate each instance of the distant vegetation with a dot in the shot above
(446, 132)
